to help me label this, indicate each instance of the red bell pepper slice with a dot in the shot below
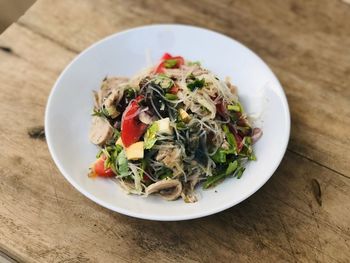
(166, 56)
(131, 128)
(161, 67)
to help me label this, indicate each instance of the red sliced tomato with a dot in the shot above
(131, 128)
(100, 170)
(161, 67)
(174, 89)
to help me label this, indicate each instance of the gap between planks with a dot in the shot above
(70, 49)
(318, 163)
(6, 258)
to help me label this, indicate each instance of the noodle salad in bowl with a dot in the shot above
(170, 128)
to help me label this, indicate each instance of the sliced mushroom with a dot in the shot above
(97, 100)
(100, 131)
(198, 71)
(231, 87)
(188, 193)
(256, 134)
(169, 156)
(108, 85)
(145, 117)
(110, 102)
(168, 189)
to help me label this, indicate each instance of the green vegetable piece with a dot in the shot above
(170, 63)
(192, 63)
(150, 136)
(122, 163)
(181, 125)
(164, 173)
(170, 96)
(212, 180)
(219, 156)
(130, 93)
(231, 168)
(240, 172)
(103, 113)
(196, 84)
(163, 81)
(252, 157)
(234, 108)
(230, 139)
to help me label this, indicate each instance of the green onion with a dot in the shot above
(230, 138)
(170, 96)
(212, 180)
(170, 63)
(240, 171)
(233, 107)
(191, 63)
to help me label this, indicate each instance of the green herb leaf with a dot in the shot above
(231, 167)
(219, 156)
(102, 112)
(164, 173)
(212, 180)
(230, 139)
(150, 136)
(196, 84)
(122, 162)
(130, 93)
(170, 63)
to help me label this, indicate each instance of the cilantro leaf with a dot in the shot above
(196, 84)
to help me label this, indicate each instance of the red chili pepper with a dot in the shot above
(161, 67)
(100, 170)
(131, 128)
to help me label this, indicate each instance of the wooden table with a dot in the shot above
(301, 215)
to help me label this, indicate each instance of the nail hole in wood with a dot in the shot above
(316, 189)
(6, 49)
(37, 132)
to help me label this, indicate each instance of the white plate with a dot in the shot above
(69, 106)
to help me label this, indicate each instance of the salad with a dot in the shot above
(169, 128)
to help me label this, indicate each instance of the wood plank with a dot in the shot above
(43, 219)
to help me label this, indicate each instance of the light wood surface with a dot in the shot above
(306, 43)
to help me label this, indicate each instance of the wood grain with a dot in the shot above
(43, 219)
